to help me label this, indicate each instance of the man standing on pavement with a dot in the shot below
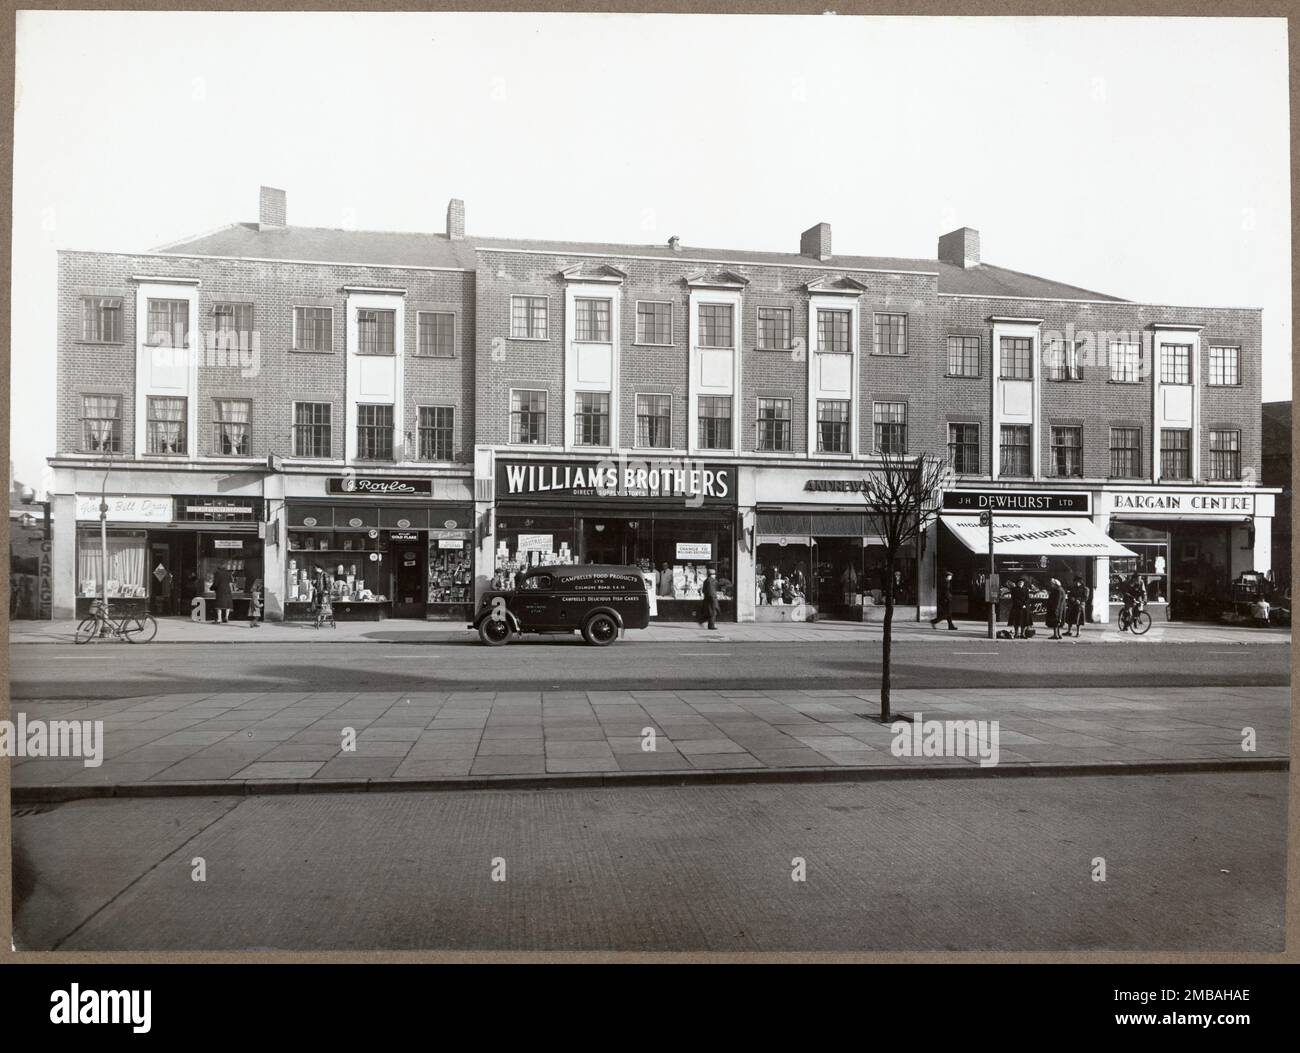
(943, 609)
(709, 608)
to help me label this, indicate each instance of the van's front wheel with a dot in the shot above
(600, 630)
(494, 632)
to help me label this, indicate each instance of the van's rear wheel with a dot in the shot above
(600, 630)
(494, 632)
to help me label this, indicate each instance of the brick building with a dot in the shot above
(441, 410)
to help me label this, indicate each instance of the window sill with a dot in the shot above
(889, 354)
(104, 343)
(311, 351)
(1065, 380)
(436, 358)
(961, 376)
(774, 350)
(1126, 383)
(641, 343)
(1230, 386)
(530, 339)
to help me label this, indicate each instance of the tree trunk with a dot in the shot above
(887, 641)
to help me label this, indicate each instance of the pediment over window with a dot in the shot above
(843, 285)
(603, 272)
(716, 280)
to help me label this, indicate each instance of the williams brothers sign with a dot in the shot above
(659, 481)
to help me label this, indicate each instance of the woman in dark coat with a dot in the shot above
(221, 593)
(1019, 607)
(1055, 608)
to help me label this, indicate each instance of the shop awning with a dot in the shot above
(1035, 536)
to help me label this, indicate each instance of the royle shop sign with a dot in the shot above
(1021, 502)
(379, 485)
(616, 479)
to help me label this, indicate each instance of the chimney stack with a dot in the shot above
(816, 242)
(273, 208)
(455, 219)
(675, 243)
(961, 248)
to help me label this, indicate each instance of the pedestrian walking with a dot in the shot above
(1055, 608)
(255, 604)
(1076, 608)
(1019, 606)
(943, 608)
(709, 608)
(221, 594)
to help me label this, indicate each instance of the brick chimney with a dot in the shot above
(455, 219)
(961, 248)
(273, 208)
(816, 242)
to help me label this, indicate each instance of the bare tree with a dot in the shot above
(902, 495)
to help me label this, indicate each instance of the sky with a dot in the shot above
(1146, 158)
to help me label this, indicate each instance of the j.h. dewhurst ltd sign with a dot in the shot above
(657, 480)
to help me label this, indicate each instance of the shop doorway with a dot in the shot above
(602, 541)
(407, 553)
(166, 575)
(839, 584)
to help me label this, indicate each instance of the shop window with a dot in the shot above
(1067, 451)
(1223, 366)
(714, 420)
(963, 356)
(376, 331)
(451, 570)
(101, 319)
(654, 323)
(311, 429)
(437, 432)
(715, 325)
(166, 426)
(890, 332)
(832, 426)
(1125, 362)
(126, 559)
(374, 433)
(1225, 455)
(654, 421)
(1125, 453)
(890, 423)
(833, 331)
(436, 332)
(783, 574)
(774, 427)
(527, 417)
(1175, 363)
(231, 427)
(1150, 560)
(774, 328)
(353, 566)
(101, 423)
(591, 320)
(591, 418)
(1017, 358)
(1175, 453)
(313, 328)
(1015, 457)
(964, 448)
(529, 541)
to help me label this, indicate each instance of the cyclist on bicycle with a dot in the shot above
(1135, 597)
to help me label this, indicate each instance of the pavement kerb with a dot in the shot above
(56, 793)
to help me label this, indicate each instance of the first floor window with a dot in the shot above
(963, 356)
(1223, 366)
(591, 320)
(231, 427)
(832, 426)
(1125, 453)
(375, 331)
(1225, 455)
(1175, 453)
(1062, 361)
(890, 421)
(233, 323)
(715, 328)
(964, 448)
(528, 317)
(101, 423)
(169, 323)
(891, 334)
(528, 417)
(1017, 358)
(1175, 363)
(437, 334)
(714, 419)
(833, 331)
(101, 319)
(654, 322)
(374, 433)
(653, 421)
(774, 329)
(591, 419)
(311, 429)
(437, 428)
(1015, 458)
(774, 431)
(165, 426)
(313, 328)
(1125, 362)
(1067, 451)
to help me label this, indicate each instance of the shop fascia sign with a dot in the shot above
(1182, 502)
(1021, 502)
(379, 486)
(126, 508)
(658, 480)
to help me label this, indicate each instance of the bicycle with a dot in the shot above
(1137, 622)
(100, 624)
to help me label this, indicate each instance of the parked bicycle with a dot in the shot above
(101, 624)
(1135, 620)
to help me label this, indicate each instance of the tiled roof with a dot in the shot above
(387, 248)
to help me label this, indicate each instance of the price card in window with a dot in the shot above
(694, 550)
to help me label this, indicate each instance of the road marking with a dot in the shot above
(420, 656)
(703, 654)
(974, 652)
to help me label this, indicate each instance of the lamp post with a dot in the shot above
(103, 532)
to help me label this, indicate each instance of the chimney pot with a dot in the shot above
(961, 247)
(455, 219)
(273, 209)
(675, 243)
(816, 242)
